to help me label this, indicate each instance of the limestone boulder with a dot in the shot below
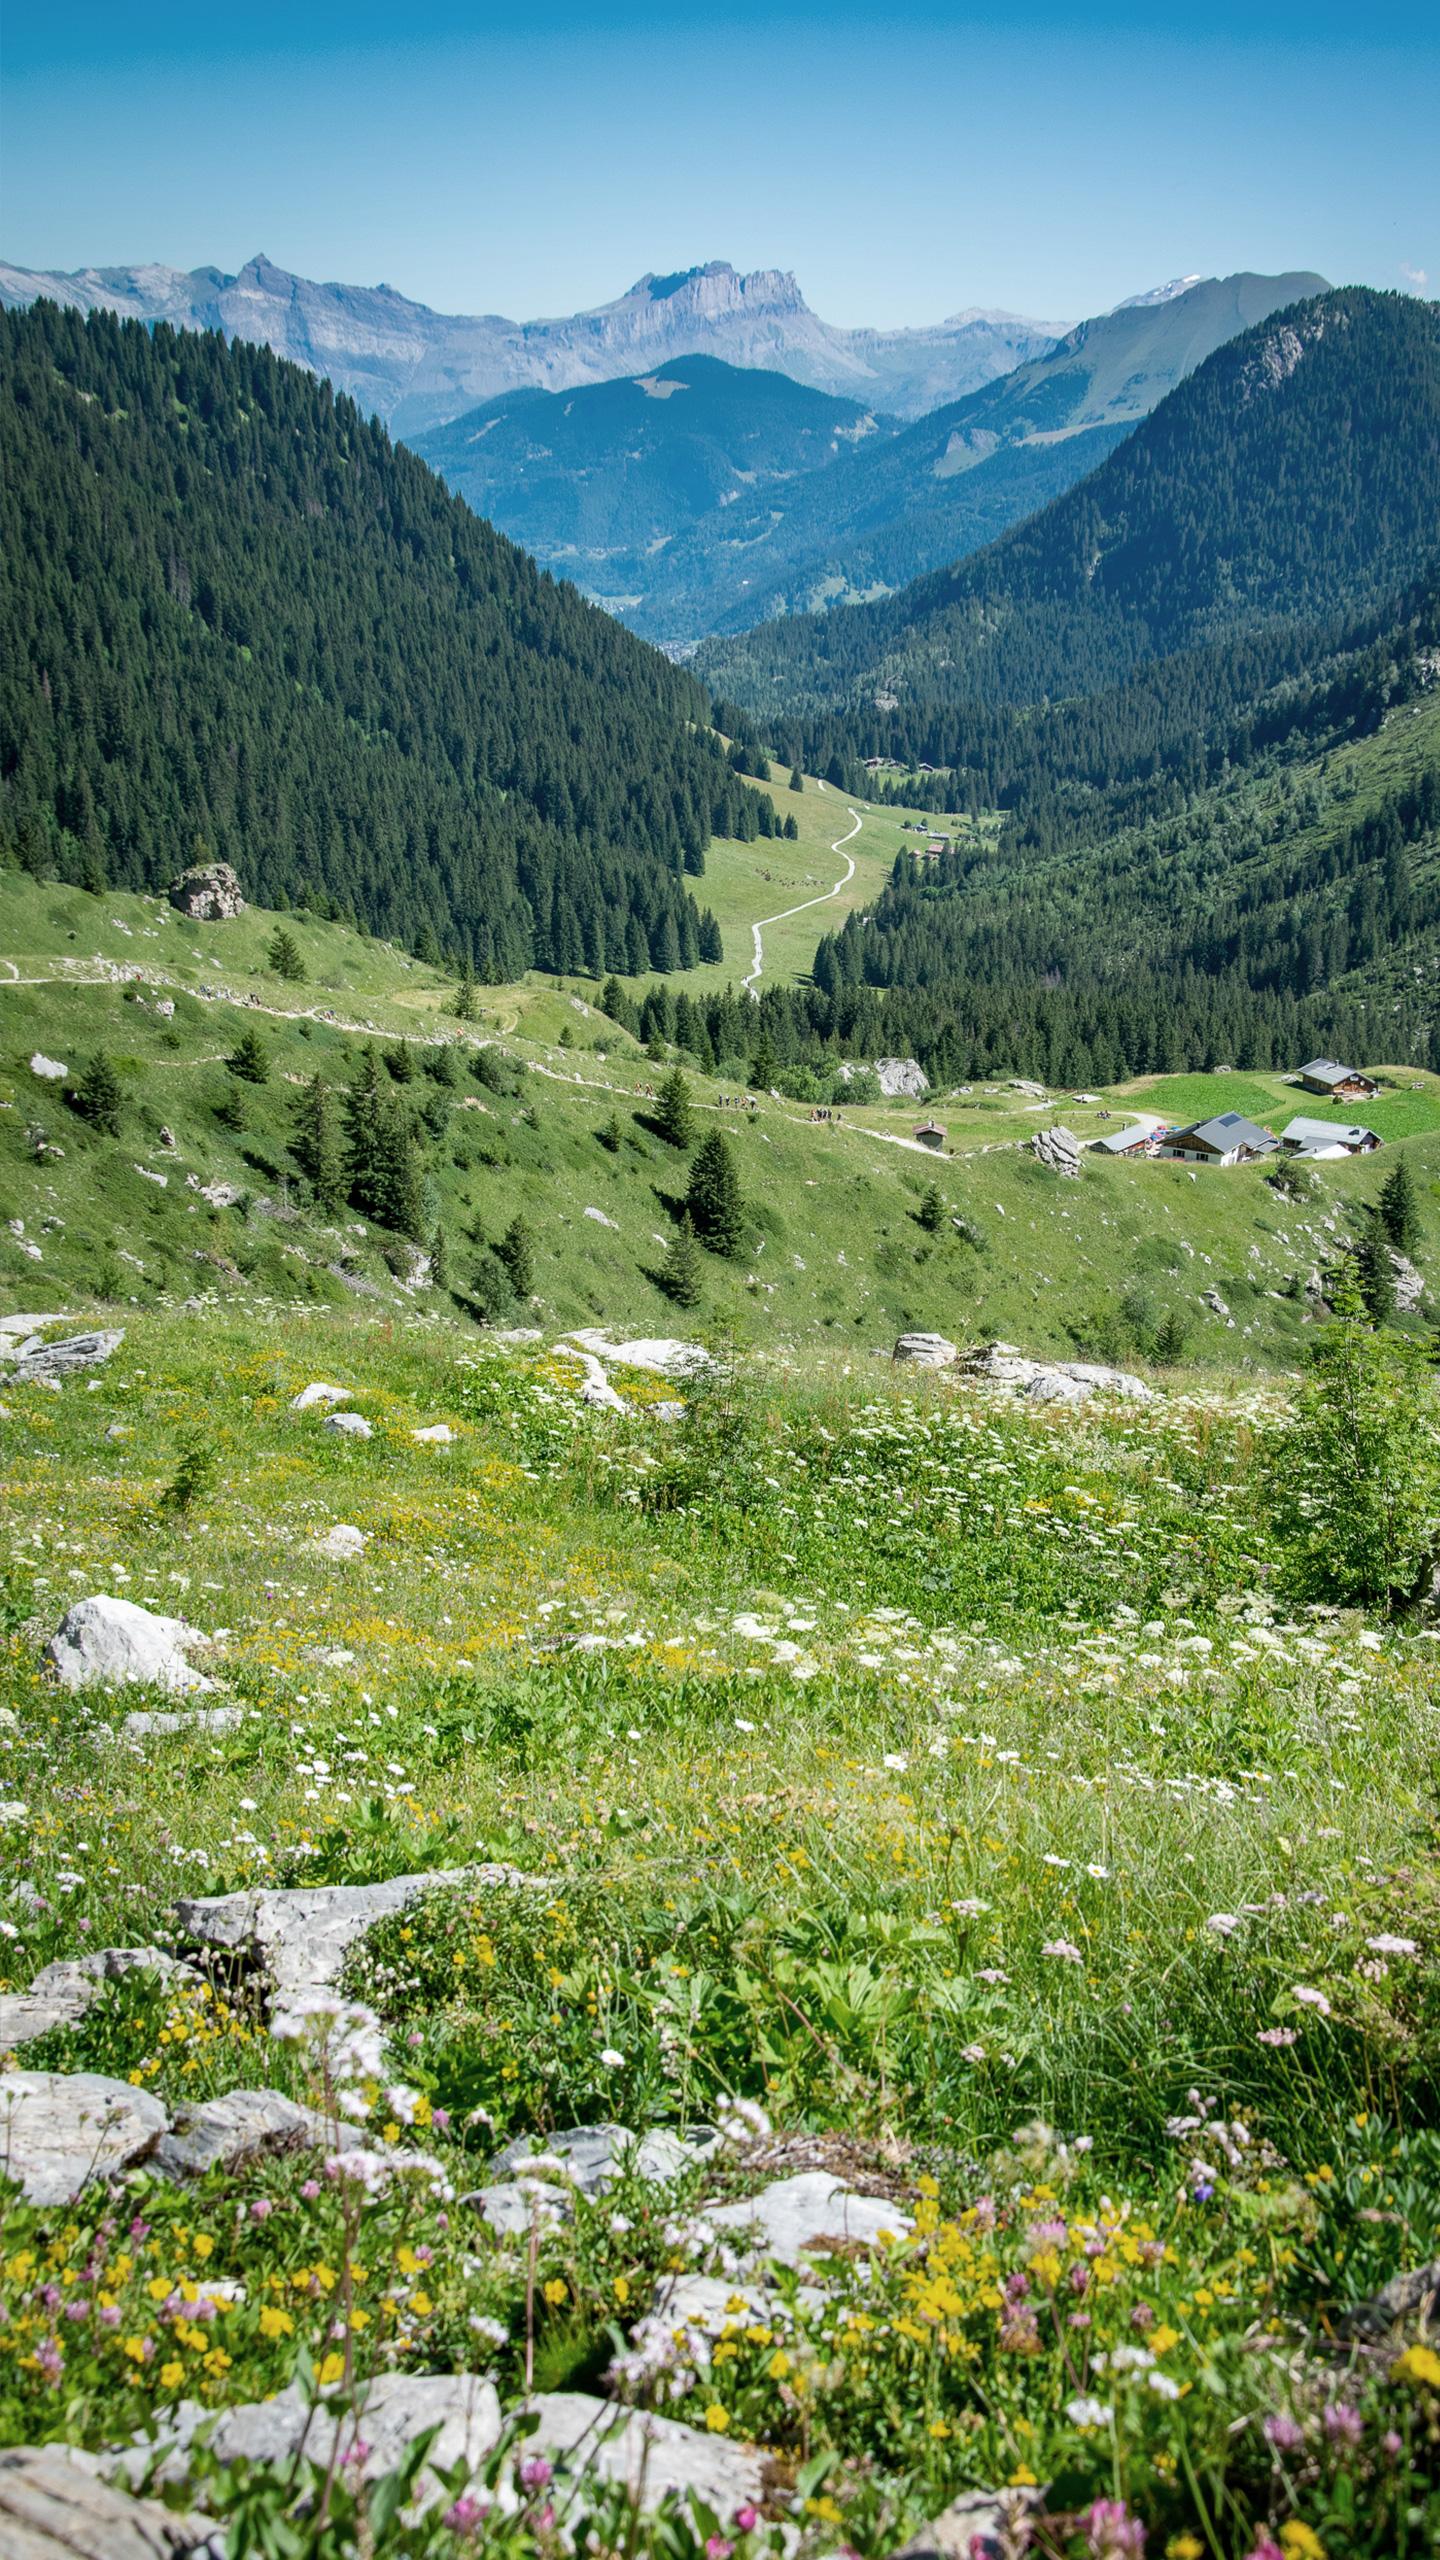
(298, 1940)
(351, 1426)
(110, 1643)
(61, 2129)
(209, 891)
(245, 2125)
(651, 2457)
(1000, 1364)
(926, 1351)
(50, 1360)
(795, 2218)
(1058, 1150)
(596, 2155)
(54, 2507)
(659, 1353)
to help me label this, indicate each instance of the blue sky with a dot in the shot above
(904, 161)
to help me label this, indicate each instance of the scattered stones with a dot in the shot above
(298, 1940)
(792, 2217)
(209, 891)
(649, 2456)
(438, 1433)
(49, 1070)
(318, 1392)
(1058, 1150)
(46, 1360)
(53, 2507)
(1026, 1084)
(926, 1350)
(342, 1542)
(1000, 1364)
(245, 2125)
(59, 2129)
(119, 1644)
(353, 1425)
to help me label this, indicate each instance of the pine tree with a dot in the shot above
(713, 1203)
(610, 1133)
(97, 1095)
(763, 1061)
(439, 1259)
(364, 1117)
(1375, 1272)
(711, 942)
(465, 996)
(797, 778)
(1399, 1210)
(285, 956)
(674, 1112)
(682, 1272)
(400, 1062)
(516, 1254)
(399, 1194)
(316, 1145)
(231, 1112)
(250, 1059)
(931, 1212)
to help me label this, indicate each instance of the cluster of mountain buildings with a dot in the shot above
(1227, 1137)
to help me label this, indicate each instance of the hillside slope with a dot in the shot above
(415, 367)
(598, 482)
(1294, 475)
(234, 615)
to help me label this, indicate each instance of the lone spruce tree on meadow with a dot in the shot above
(250, 1059)
(1399, 1210)
(713, 1202)
(316, 1145)
(674, 1112)
(285, 956)
(515, 1253)
(682, 1272)
(97, 1095)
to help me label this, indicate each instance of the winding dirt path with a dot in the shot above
(752, 979)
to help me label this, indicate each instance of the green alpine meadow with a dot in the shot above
(719, 1294)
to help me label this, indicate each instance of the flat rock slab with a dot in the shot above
(1000, 1364)
(62, 1359)
(245, 2125)
(651, 2457)
(353, 1425)
(813, 2212)
(51, 2508)
(60, 2129)
(658, 1353)
(395, 2409)
(597, 2154)
(299, 1940)
(117, 1644)
(318, 1392)
(62, 1992)
(439, 1433)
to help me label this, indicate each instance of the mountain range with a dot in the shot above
(695, 500)
(416, 368)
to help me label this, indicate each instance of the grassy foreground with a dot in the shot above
(958, 1784)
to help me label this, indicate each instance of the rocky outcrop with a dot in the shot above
(209, 891)
(104, 1642)
(1000, 1364)
(37, 1359)
(811, 2213)
(245, 2125)
(658, 1353)
(1058, 1150)
(926, 1350)
(652, 2458)
(901, 1079)
(297, 1941)
(61, 1993)
(60, 2129)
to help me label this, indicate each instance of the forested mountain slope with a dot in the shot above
(598, 482)
(1294, 476)
(234, 613)
(889, 510)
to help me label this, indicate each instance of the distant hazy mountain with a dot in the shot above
(416, 367)
(598, 481)
(712, 509)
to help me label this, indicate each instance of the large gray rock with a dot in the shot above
(54, 2508)
(62, 1992)
(1000, 1364)
(809, 2213)
(298, 1940)
(117, 1644)
(659, 1353)
(318, 1392)
(901, 1079)
(210, 891)
(1058, 1150)
(926, 1350)
(60, 2129)
(595, 2155)
(651, 2457)
(36, 1359)
(245, 2125)
(1409, 1283)
(982, 2524)
(391, 2412)
(353, 1425)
